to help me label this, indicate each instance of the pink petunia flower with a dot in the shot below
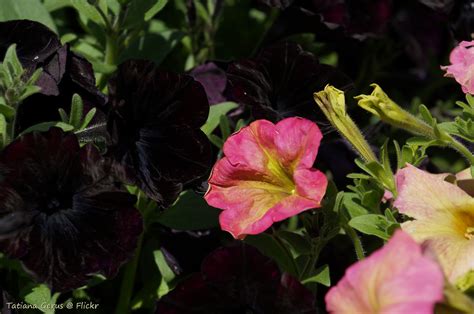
(267, 175)
(396, 279)
(443, 217)
(462, 66)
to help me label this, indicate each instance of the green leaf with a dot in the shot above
(88, 11)
(77, 108)
(296, 241)
(426, 114)
(7, 111)
(45, 126)
(271, 247)
(216, 140)
(352, 204)
(140, 11)
(26, 9)
(88, 118)
(28, 91)
(215, 113)
(321, 276)
(190, 212)
(67, 38)
(3, 130)
(159, 5)
(155, 44)
(63, 114)
(165, 271)
(12, 61)
(371, 224)
(202, 12)
(224, 126)
(53, 5)
(40, 296)
(167, 274)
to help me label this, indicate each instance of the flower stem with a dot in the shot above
(355, 241)
(463, 150)
(128, 279)
(111, 56)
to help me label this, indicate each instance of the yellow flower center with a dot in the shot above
(466, 223)
(281, 176)
(469, 233)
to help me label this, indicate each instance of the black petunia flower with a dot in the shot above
(213, 78)
(281, 80)
(61, 213)
(356, 18)
(154, 126)
(64, 72)
(238, 280)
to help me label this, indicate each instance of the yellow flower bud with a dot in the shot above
(379, 104)
(332, 102)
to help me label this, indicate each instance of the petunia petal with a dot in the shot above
(423, 195)
(398, 276)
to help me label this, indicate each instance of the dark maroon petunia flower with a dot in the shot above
(357, 18)
(154, 125)
(281, 80)
(64, 72)
(61, 213)
(213, 78)
(238, 280)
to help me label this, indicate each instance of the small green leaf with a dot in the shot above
(371, 224)
(77, 107)
(7, 111)
(28, 91)
(215, 113)
(224, 126)
(64, 116)
(141, 11)
(216, 140)
(34, 77)
(45, 126)
(3, 130)
(11, 59)
(190, 212)
(88, 11)
(157, 7)
(202, 12)
(167, 274)
(352, 204)
(89, 116)
(426, 114)
(165, 270)
(321, 276)
(40, 296)
(67, 38)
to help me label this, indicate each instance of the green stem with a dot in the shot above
(128, 280)
(355, 241)
(311, 263)
(293, 223)
(463, 150)
(111, 55)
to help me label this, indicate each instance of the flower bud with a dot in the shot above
(379, 104)
(332, 102)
